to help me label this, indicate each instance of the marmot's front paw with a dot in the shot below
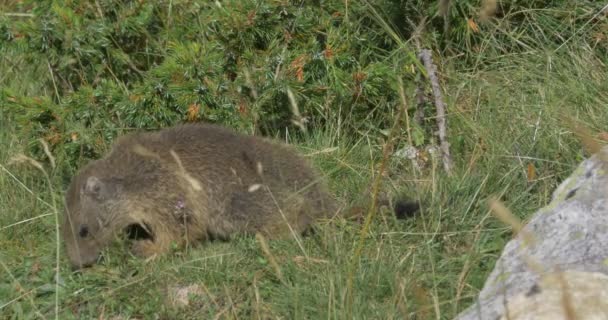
(145, 248)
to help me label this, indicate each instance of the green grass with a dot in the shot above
(504, 118)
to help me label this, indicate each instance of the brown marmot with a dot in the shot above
(187, 184)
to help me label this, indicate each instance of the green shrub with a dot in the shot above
(136, 64)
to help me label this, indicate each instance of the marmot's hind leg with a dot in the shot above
(295, 215)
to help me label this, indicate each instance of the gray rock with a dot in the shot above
(564, 271)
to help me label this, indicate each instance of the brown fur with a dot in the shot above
(187, 184)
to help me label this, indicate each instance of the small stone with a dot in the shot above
(181, 296)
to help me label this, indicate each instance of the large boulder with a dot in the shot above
(563, 272)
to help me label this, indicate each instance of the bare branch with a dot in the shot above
(431, 69)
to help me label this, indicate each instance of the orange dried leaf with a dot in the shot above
(287, 36)
(135, 97)
(177, 77)
(36, 267)
(359, 77)
(599, 37)
(193, 111)
(298, 66)
(251, 17)
(473, 25)
(328, 52)
(53, 138)
(531, 172)
(300, 74)
(242, 107)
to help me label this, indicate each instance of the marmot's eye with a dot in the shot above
(84, 231)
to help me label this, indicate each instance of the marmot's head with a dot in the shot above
(96, 211)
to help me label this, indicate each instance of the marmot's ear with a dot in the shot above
(93, 187)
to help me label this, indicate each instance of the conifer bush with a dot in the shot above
(116, 64)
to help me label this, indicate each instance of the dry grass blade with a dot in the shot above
(566, 298)
(590, 143)
(25, 221)
(407, 116)
(266, 251)
(300, 260)
(23, 159)
(27, 294)
(298, 120)
(47, 151)
(504, 214)
(444, 12)
(584, 134)
(12, 176)
(388, 146)
(192, 182)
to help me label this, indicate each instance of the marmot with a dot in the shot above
(187, 184)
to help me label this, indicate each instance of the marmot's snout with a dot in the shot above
(84, 259)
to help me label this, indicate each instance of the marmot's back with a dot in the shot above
(223, 157)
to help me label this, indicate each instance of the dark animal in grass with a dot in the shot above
(187, 184)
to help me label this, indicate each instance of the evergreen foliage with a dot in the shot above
(138, 64)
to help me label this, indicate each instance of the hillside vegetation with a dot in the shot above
(329, 77)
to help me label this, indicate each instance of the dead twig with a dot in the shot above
(420, 101)
(431, 69)
(420, 96)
